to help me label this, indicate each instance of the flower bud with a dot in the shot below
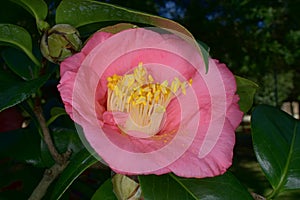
(126, 188)
(60, 42)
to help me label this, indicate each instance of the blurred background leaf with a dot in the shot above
(246, 90)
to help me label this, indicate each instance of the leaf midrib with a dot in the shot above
(23, 48)
(286, 167)
(182, 185)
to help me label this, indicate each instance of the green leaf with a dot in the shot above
(55, 113)
(37, 8)
(205, 53)
(18, 37)
(14, 91)
(22, 66)
(80, 162)
(169, 187)
(83, 12)
(246, 90)
(105, 191)
(276, 141)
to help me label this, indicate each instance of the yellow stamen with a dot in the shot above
(175, 85)
(183, 86)
(144, 100)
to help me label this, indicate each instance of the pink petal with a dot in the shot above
(141, 156)
(68, 71)
(197, 138)
(69, 68)
(95, 40)
(216, 151)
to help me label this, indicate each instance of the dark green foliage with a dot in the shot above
(252, 37)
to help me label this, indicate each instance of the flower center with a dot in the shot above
(142, 99)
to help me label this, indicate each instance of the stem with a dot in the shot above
(61, 160)
(49, 176)
(58, 158)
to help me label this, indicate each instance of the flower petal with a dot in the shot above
(69, 68)
(198, 136)
(95, 40)
(106, 141)
(68, 71)
(216, 152)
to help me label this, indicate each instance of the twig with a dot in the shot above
(58, 158)
(49, 176)
(61, 160)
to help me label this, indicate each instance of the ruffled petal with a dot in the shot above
(68, 71)
(69, 68)
(96, 39)
(216, 152)
(196, 124)
(127, 49)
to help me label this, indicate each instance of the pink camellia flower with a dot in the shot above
(147, 106)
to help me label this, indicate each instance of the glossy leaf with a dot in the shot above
(14, 91)
(17, 36)
(169, 187)
(80, 162)
(246, 90)
(37, 8)
(276, 141)
(83, 12)
(22, 66)
(105, 191)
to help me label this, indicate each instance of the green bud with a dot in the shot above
(60, 42)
